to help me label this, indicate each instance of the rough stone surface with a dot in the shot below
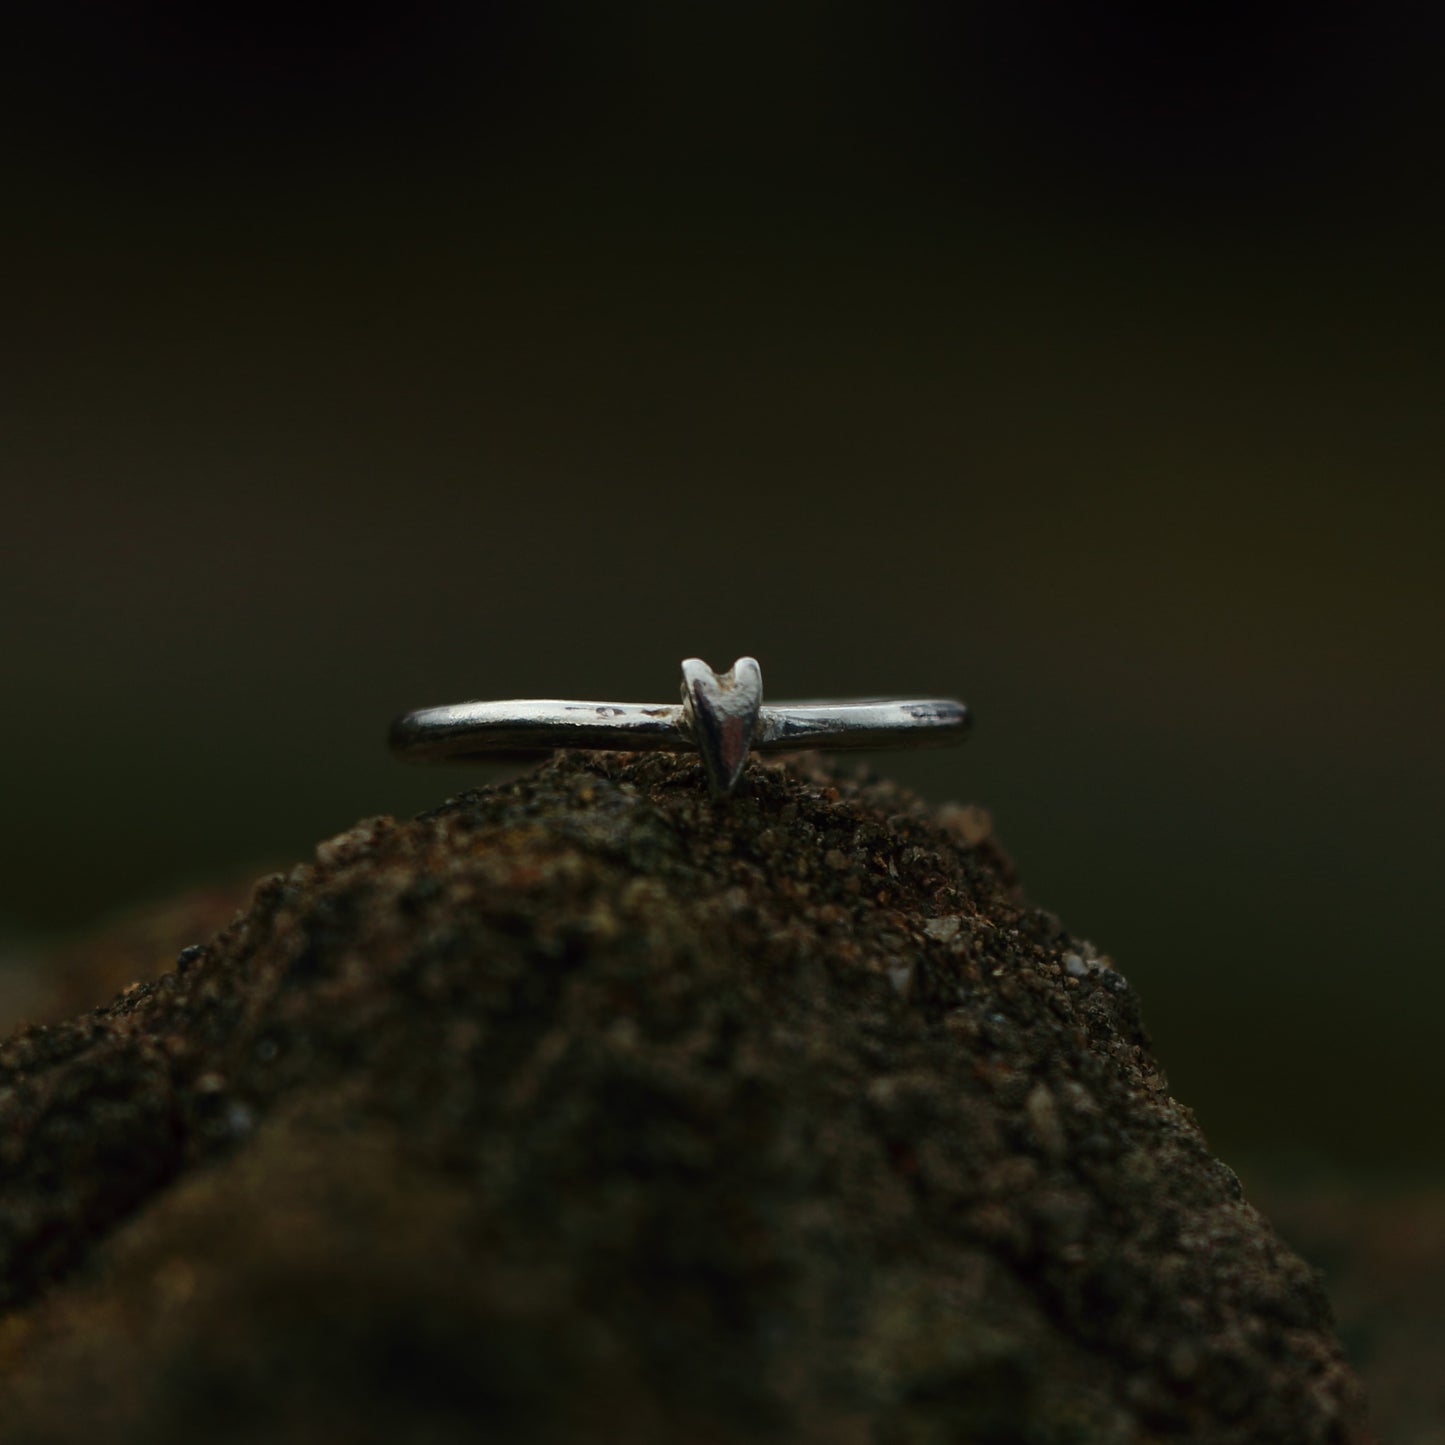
(587, 1108)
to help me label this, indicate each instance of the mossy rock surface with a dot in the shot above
(588, 1108)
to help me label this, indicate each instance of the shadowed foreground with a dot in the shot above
(589, 1108)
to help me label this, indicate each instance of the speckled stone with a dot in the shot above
(592, 1108)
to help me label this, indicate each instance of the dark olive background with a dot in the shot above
(1080, 361)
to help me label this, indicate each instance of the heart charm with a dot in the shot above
(721, 711)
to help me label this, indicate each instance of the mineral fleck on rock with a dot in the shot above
(590, 1108)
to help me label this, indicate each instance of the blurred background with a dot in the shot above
(1080, 361)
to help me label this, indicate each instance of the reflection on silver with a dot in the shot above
(721, 716)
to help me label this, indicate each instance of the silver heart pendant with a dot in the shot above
(721, 711)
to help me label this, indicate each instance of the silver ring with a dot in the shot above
(721, 717)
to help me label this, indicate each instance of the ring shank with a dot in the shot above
(479, 729)
(862, 723)
(475, 729)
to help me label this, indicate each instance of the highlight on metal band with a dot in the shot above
(721, 716)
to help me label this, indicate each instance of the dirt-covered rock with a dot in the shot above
(592, 1108)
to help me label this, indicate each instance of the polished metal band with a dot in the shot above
(722, 716)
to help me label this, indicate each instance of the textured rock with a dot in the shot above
(589, 1107)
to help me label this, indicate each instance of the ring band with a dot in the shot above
(721, 716)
